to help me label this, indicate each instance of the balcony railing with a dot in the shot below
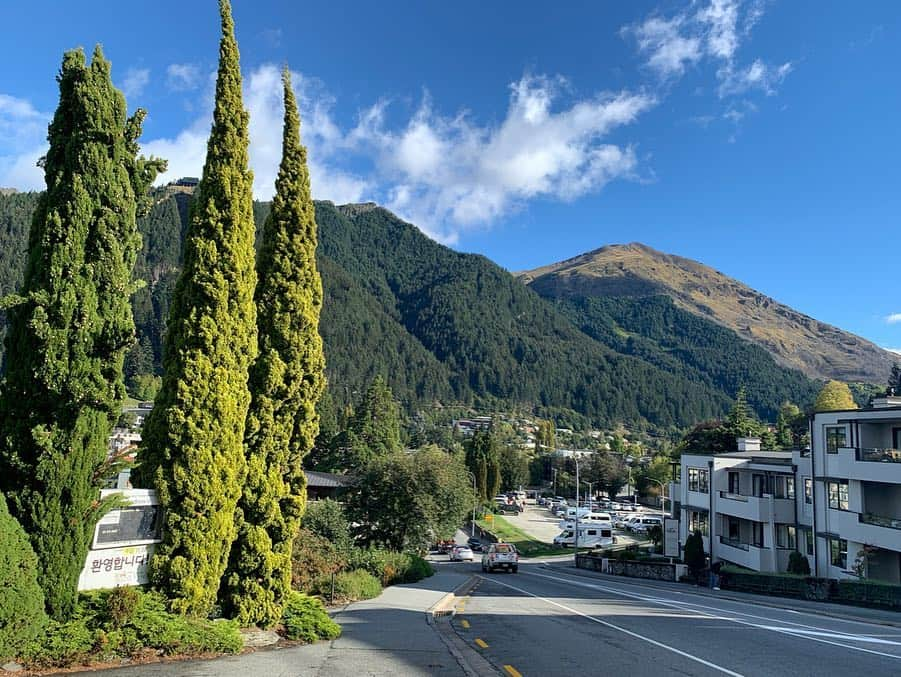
(733, 497)
(878, 455)
(879, 521)
(734, 543)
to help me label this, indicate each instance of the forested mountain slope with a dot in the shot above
(795, 340)
(446, 327)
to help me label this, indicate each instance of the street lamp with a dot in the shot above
(576, 459)
(555, 481)
(662, 497)
(475, 497)
(590, 495)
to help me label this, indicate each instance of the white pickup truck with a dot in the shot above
(500, 556)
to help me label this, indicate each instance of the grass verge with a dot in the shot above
(525, 544)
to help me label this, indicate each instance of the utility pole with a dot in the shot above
(576, 459)
(475, 494)
(555, 481)
(590, 495)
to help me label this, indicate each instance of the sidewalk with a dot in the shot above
(841, 611)
(388, 635)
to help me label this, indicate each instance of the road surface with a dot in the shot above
(559, 621)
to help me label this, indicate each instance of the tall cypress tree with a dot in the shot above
(192, 451)
(286, 381)
(71, 326)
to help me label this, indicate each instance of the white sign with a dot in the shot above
(124, 540)
(670, 537)
(115, 567)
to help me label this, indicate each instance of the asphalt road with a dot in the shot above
(550, 621)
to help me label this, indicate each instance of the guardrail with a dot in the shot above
(879, 521)
(735, 543)
(733, 497)
(873, 455)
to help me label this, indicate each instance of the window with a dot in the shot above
(808, 490)
(808, 536)
(835, 438)
(698, 480)
(733, 483)
(838, 551)
(784, 487)
(838, 495)
(757, 534)
(698, 522)
(734, 529)
(786, 536)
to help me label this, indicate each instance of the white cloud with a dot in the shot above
(892, 350)
(136, 79)
(669, 51)
(715, 32)
(894, 318)
(23, 140)
(444, 173)
(182, 77)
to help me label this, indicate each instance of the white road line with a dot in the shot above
(623, 630)
(782, 630)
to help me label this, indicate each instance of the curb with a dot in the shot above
(446, 606)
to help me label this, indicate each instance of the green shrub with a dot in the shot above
(327, 519)
(22, 614)
(390, 567)
(798, 564)
(122, 623)
(305, 618)
(350, 586)
(314, 557)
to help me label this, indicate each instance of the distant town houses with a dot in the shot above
(837, 503)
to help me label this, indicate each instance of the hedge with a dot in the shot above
(866, 593)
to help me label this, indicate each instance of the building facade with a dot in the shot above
(838, 503)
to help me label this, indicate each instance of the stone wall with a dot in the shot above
(656, 571)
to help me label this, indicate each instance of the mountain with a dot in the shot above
(452, 328)
(636, 271)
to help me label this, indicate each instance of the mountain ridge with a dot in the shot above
(796, 340)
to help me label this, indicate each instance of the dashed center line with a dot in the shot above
(482, 643)
(513, 672)
(465, 624)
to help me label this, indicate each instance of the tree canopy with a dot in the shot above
(834, 396)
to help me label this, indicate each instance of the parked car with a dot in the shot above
(462, 553)
(643, 523)
(623, 522)
(475, 544)
(500, 556)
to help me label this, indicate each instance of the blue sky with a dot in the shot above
(759, 137)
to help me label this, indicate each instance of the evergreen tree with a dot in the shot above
(741, 421)
(375, 427)
(494, 477)
(894, 379)
(834, 396)
(482, 478)
(286, 381)
(72, 325)
(192, 451)
(788, 415)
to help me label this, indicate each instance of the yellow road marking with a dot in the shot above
(465, 624)
(482, 643)
(513, 672)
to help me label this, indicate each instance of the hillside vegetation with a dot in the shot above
(445, 327)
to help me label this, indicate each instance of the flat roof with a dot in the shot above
(772, 457)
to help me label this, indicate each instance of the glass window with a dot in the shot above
(835, 438)
(808, 490)
(757, 529)
(838, 551)
(698, 522)
(698, 480)
(734, 529)
(786, 536)
(808, 536)
(838, 495)
(784, 487)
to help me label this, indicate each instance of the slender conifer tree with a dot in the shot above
(192, 451)
(71, 326)
(286, 382)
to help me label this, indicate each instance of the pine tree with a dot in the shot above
(375, 427)
(894, 379)
(192, 451)
(286, 381)
(72, 325)
(741, 421)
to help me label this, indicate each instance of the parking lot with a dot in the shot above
(538, 522)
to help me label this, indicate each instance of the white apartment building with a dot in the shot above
(832, 503)
(856, 469)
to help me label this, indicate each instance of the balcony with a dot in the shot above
(867, 464)
(879, 521)
(744, 554)
(756, 508)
